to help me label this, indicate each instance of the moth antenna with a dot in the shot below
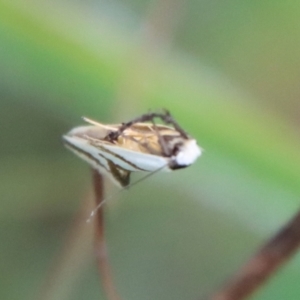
(93, 212)
(95, 123)
(90, 121)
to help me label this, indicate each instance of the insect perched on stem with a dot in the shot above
(120, 149)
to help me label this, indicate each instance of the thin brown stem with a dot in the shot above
(263, 264)
(100, 241)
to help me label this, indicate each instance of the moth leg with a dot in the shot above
(161, 140)
(166, 117)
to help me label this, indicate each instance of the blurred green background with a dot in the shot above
(228, 71)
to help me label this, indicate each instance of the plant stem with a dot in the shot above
(263, 264)
(100, 241)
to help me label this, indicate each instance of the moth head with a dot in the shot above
(185, 153)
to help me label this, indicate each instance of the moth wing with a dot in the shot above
(119, 175)
(133, 160)
(93, 156)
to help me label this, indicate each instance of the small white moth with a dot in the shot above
(120, 149)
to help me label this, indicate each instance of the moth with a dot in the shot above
(117, 150)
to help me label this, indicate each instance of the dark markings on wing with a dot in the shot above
(91, 157)
(119, 157)
(121, 175)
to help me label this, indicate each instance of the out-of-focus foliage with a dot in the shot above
(227, 70)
